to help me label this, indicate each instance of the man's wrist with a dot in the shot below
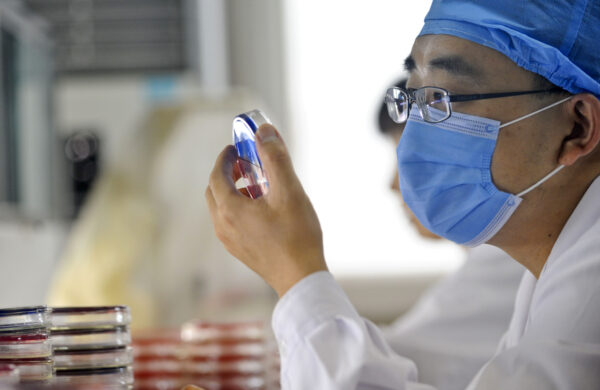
(286, 282)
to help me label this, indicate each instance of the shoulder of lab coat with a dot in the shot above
(553, 339)
(455, 327)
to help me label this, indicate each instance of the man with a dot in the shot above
(456, 325)
(485, 157)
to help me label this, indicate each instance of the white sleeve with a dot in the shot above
(325, 344)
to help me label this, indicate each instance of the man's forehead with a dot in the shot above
(455, 56)
(460, 58)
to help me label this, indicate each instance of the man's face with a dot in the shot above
(525, 151)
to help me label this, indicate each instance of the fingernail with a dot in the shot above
(267, 133)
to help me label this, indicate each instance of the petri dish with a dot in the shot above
(24, 318)
(119, 376)
(34, 370)
(160, 383)
(96, 358)
(24, 344)
(241, 382)
(224, 352)
(9, 374)
(240, 367)
(90, 338)
(223, 333)
(252, 182)
(89, 317)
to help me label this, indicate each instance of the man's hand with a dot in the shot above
(277, 235)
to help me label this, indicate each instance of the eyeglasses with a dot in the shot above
(434, 102)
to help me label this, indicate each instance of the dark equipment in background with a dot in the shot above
(82, 151)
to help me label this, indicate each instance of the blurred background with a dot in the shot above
(112, 113)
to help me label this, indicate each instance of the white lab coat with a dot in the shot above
(553, 341)
(455, 327)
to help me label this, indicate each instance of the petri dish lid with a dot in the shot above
(90, 338)
(244, 128)
(24, 317)
(95, 358)
(90, 316)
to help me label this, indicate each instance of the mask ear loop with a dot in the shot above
(539, 183)
(555, 171)
(535, 112)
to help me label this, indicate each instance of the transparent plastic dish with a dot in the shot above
(122, 376)
(25, 344)
(34, 370)
(223, 333)
(90, 338)
(252, 181)
(24, 318)
(89, 317)
(95, 358)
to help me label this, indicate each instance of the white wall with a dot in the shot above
(341, 56)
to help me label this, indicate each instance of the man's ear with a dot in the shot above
(584, 115)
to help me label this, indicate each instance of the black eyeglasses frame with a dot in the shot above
(409, 92)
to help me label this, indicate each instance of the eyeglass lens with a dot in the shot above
(397, 105)
(433, 104)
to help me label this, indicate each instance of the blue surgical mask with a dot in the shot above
(445, 177)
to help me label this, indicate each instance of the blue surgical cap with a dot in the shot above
(557, 39)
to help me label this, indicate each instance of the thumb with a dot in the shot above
(275, 158)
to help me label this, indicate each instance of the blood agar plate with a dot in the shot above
(252, 182)
(24, 317)
(87, 317)
(25, 344)
(223, 333)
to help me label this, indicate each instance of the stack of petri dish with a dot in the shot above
(212, 355)
(159, 360)
(25, 344)
(92, 346)
(237, 355)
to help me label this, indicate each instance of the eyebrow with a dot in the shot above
(456, 66)
(452, 64)
(409, 64)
